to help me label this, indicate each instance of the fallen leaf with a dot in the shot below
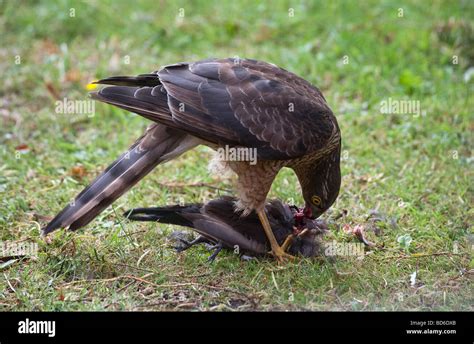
(49, 47)
(61, 295)
(73, 75)
(23, 148)
(52, 90)
(78, 171)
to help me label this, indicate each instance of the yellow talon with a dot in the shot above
(280, 255)
(288, 241)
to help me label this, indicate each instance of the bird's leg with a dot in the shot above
(278, 252)
(217, 249)
(200, 239)
(288, 241)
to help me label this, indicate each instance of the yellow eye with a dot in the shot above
(316, 200)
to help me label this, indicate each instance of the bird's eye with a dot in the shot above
(316, 200)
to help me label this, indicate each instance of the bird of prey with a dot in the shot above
(233, 102)
(218, 224)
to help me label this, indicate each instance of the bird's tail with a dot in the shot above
(172, 215)
(157, 145)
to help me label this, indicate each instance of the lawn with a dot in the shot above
(407, 175)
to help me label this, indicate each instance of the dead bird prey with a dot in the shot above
(218, 223)
(220, 103)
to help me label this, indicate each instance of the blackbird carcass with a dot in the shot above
(218, 224)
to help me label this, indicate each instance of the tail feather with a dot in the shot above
(159, 144)
(139, 80)
(169, 214)
(144, 95)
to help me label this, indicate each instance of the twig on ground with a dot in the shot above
(422, 255)
(169, 285)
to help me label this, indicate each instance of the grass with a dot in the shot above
(415, 170)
